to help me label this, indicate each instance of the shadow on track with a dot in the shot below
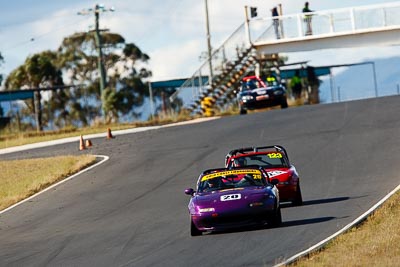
(318, 201)
(324, 201)
(265, 227)
(306, 221)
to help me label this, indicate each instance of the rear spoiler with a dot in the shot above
(245, 150)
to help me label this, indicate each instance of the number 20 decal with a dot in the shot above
(231, 197)
(275, 155)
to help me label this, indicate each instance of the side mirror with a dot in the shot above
(189, 191)
(274, 181)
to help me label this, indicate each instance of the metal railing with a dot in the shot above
(228, 52)
(325, 23)
(301, 26)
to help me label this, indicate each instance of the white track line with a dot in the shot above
(99, 135)
(105, 158)
(76, 139)
(346, 228)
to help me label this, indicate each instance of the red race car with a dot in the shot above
(275, 161)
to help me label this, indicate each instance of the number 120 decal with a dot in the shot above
(231, 197)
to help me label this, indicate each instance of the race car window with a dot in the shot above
(270, 160)
(231, 179)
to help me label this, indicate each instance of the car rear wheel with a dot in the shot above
(299, 199)
(193, 229)
(284, 103)
(243, 111)
(276, 220)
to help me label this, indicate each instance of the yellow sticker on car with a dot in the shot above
(257, 174)
(275, 155)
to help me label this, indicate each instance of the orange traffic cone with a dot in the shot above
(88, 143)
(81, 144)
(109, 134)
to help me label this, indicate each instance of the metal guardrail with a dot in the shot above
(325, 23)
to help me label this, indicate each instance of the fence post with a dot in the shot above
(299, 25)
(331, 23)
(353, 22)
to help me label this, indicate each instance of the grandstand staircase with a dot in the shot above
(332, 29)
(231, 62)
(223, 85)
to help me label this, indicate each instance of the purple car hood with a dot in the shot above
(231, 196)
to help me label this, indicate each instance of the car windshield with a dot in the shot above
(251, 84)
(221, 180)
(268, 160)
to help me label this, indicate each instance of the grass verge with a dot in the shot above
(11, 137)
(20, 179)
(373, 243)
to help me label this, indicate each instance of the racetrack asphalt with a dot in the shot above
(131, 210)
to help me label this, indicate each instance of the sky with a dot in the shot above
(171, 32)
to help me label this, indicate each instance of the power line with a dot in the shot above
(33, 21)
(34, 38)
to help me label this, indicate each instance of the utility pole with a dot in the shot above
(99, 51)
(209, 45)
(247, 26)
(151, 101)
(100, 64)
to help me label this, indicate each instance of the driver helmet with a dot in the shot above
(240, 162)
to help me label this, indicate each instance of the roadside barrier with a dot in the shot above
(109, 134)
(207, 106)
(82, 144)
(88, 143)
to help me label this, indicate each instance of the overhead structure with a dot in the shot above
(337, 28)
(256, 37)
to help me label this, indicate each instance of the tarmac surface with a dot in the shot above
(132, 210)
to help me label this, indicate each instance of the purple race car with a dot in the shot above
(231, 198)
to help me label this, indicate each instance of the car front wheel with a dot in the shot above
(276, 220)
(193, 229)
(299, 199)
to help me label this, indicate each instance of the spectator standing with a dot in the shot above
(295, 85)
(276, 22)
(271, 79)
(307, 18)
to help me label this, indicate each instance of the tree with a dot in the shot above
(1, 75)
(1, 81)
(75, 62)
(125, 87)
(38, 70)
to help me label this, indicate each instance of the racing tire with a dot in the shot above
(299, 199)
(284, 103)
(276, 220)
(193, 229)
(243, 111)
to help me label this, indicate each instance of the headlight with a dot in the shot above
(247, 97)
(207, 210)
